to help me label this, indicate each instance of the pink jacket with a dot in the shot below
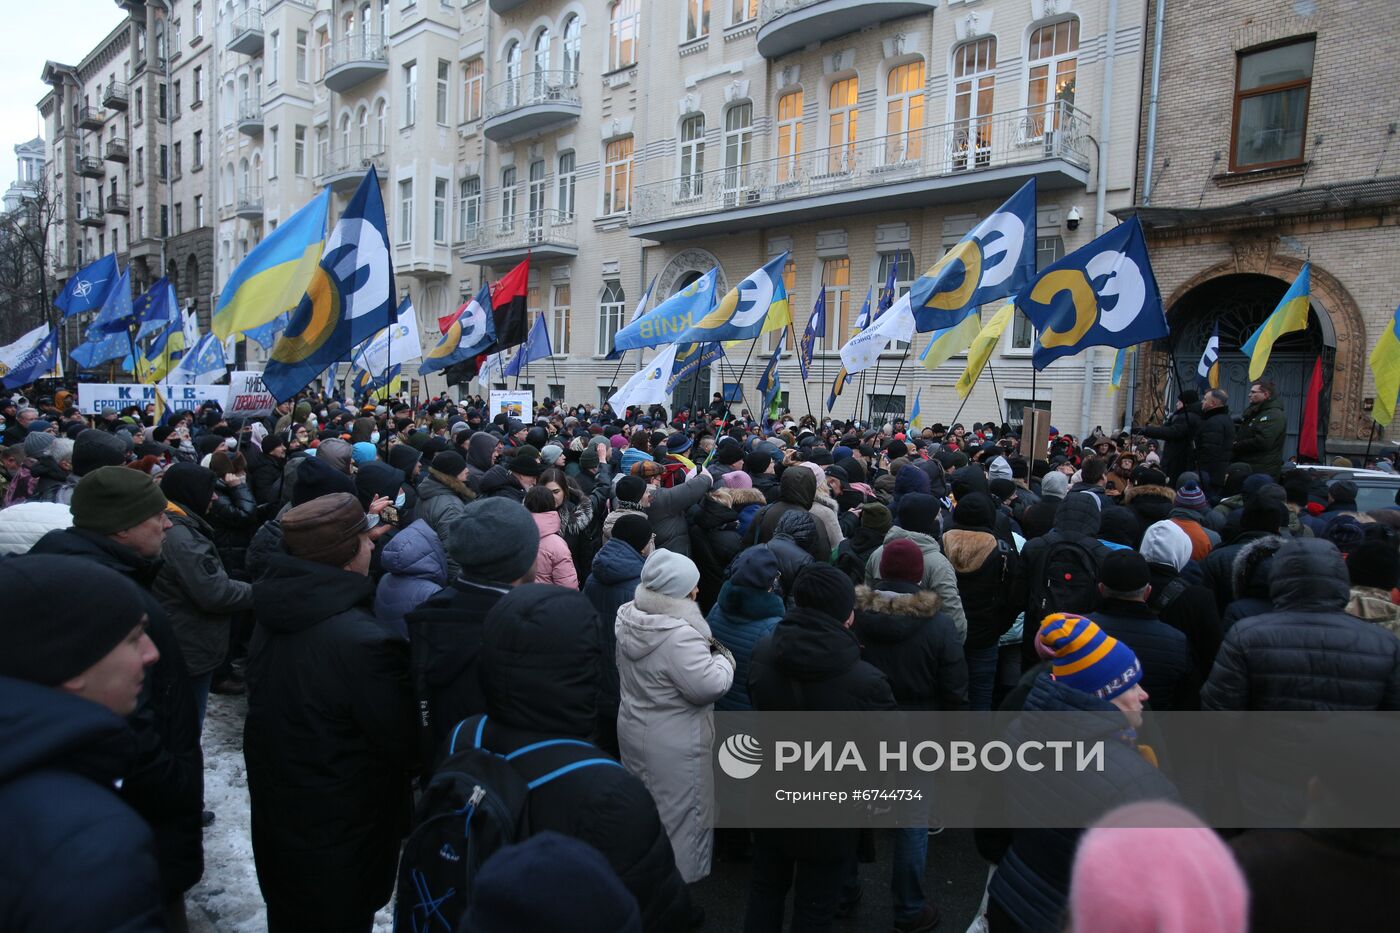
(554, 564)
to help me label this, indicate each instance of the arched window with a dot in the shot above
(974, 88)
(344, 134)
(738, 147)
(904, 112)
(244, 180)
(1053, 57)
(512, 63)
(566, 179)
(228, 184)
(612, 305)
(540, 59)
(508, 195)
(789, 134)
(692, 157)
(363, 120)
(381, 126)
(536, 195)
(573, 47)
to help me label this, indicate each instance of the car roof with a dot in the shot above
(1331, 472)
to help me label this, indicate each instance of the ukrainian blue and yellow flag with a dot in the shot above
(1120, 364)
(164, 352)
(1385, 366)
(981, 349)
(945, 343)
(755, 306)
(349, 298)
(916, 415)
(272, 279)
(1290, 315)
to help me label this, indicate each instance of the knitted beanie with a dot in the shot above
(1192, 497)
(902, 560)
(634, 528)
(495, 540)
(736, 479)
(670, 574)
(112, 499)
(325, 530)
(449, 463)
(876, 516)
(823, 588)
(1088, 659)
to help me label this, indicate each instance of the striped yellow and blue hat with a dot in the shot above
(1087, 658)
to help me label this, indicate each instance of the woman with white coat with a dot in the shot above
(671, 671)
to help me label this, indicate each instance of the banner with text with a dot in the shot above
(247, 397)
(97, 397)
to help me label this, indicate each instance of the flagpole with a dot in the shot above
(744, 369)
(1001, 409)
(897, 373)
(806, 397)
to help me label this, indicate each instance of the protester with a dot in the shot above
(1169, 675)
(553, 563)
(916, 522)
(442, 498)
(991, 585)
(616, 573)
(1215, 442)
(415, 568)
(1260, 436)
(1178, 434)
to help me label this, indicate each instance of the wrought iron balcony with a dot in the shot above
(90, 118)
(117, 151)
(355, 59)
(245, 33)
(953, 162)
(250, 116)
(116, 95)
(346, 167)
(788, 25)
(249, 204)
(91, 215)
(531, 103)
(506, 240)
(119, 204)
(89, 166)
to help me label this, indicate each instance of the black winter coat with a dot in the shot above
(1218, 569)
(1215, 445)
(74, 858)
(1178, 435)
(1077, 519)
(853, 552)
(445, 642)
(264, 478)
(991, 582)
(165, 783)
(540, 677)
(767, 484)
(1190, 610)
(499, 482)
(715, 539)
(233, 516)
(1168, 674)
(328, 744)
(1031, 883)
(904, 633)
(798, 493)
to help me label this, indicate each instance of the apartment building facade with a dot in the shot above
(1270, 141)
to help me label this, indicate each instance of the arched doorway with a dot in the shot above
(1238, 303)
(693, 389)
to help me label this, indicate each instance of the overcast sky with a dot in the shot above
(32, 33)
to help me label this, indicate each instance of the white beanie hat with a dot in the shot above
(670, 574)
(1166, 543)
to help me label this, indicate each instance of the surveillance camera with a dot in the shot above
(1072, 218)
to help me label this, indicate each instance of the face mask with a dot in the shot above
(400, 499)
(231, 443)
(311, 421)
(374, 437)
(324, 413)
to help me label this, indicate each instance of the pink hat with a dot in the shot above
(736, 479)
(618, 441)
(1195, 885)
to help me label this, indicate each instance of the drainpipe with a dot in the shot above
(1101, 194)
(1149, 157)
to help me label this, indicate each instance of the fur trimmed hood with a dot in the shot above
(922, 603)
(736, 499)
(647, 622)
(1249, 576)
(450, 483)
(1139, 492)
(893, 612)
(966, 550)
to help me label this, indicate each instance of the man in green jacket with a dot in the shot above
(1260, 434)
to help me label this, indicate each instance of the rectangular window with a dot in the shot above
(274, 57)
(611, 308)
(692, 157)
(163, 164)
(140, 223)
(164, 221)
(198, 211)
(410, 93)
(474, 76)
(508, 196)
(841, 126)
(567, 183)
(1048, 249)
(559, 320)
(197, 153)
(178, 162)
(323, 149)
(179, 219)
(444, 73)
(623, 22)
(162, 100)
(440, 210)
(302, 70)
(789, 135)
(275, 159)
(323, 45)
(140, 164)
(840, 319)
(904, 275)
(138, 112)
(299, 150)
(697, 19)
(741, 11)
(176, 95)
(197, 85)
(617, 176)
(406, 211)
(198, 16)
(469, 207)
(1272, 89)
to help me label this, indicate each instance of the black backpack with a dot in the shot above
(476, 803)
(1068, 581)
(1167, 595)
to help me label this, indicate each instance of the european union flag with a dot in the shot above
(265, 335)
(535, 347)
(156, 308)
(116, 313)
(816, 327)
(351, 296)
(995, 260)
(99, 348)
(89, 286)
(1101, 295)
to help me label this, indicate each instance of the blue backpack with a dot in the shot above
(476, 803)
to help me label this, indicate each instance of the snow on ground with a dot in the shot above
(227, 899)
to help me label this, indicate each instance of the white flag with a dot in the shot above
(862, 350)
(11, 354)
(395, 344)
(647, 386)
(493, 369)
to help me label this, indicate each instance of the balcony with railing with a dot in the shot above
(249, 204)
(506, 240)
(345, 168)
(788, 25)
(250, 116)
(116, 95)
(502, 7)
(119, 204)
(89, 166)
(965, 160)
(531, 103)
(354, 60)
(90, 118)
(117, 151)
(245, 33)
(90, 215)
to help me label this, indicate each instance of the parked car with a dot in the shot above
(1374, 489)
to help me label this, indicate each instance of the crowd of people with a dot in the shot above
(414, 596)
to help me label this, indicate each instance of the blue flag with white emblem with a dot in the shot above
(351, 296)
(668, 320)
(1101, 295)
(35, 364)
(995, 260)
(88, 288)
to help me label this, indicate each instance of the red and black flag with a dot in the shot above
(508, 306)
